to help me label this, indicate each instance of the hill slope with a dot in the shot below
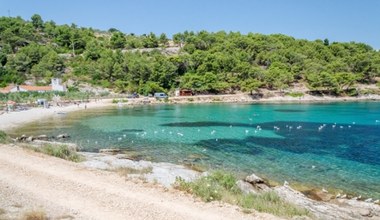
(206, 63)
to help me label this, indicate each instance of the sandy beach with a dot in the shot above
(12, 120)
(15, 119)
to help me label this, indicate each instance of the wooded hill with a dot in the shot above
(206, 62)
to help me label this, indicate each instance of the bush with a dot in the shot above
(3, 137)
(295, 94)
(222, 186)
(61, 151)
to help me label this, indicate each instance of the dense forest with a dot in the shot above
(35, 50)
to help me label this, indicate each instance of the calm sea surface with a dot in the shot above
(333, 145)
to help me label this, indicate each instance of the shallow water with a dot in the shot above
(330, 145)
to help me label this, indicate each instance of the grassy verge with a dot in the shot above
(60, 151)
(221, 186)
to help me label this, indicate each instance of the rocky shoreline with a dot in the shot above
(270, 97)
(331, 206)
(165, 174)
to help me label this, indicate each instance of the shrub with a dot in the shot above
(295, 94)
(61, 151)
(3, 137)
(222, 186)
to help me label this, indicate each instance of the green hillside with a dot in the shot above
(206, 62)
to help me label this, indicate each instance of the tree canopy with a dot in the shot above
(207, 62)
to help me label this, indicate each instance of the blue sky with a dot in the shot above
(337, 20)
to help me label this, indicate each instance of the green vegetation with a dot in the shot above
(4, 138)
(220, 62)
(119, 100)
(221, 186)
(295, 94)
(60, 151)
(31, 97)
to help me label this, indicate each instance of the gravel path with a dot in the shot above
(65, 190)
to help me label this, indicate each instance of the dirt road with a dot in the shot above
(65, 190)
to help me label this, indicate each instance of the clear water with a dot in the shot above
(334, 145)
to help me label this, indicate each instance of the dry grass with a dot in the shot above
(125, 171)
(60, 151)
(35, 215)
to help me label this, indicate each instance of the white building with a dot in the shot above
(55, 86)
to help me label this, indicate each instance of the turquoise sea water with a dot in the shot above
(330, 145)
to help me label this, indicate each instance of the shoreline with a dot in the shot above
(16, 119)
(13, 120)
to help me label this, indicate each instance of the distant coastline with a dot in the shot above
(13, 120)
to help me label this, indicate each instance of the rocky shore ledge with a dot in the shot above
(336, 207)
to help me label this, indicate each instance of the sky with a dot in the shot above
(336, 20)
